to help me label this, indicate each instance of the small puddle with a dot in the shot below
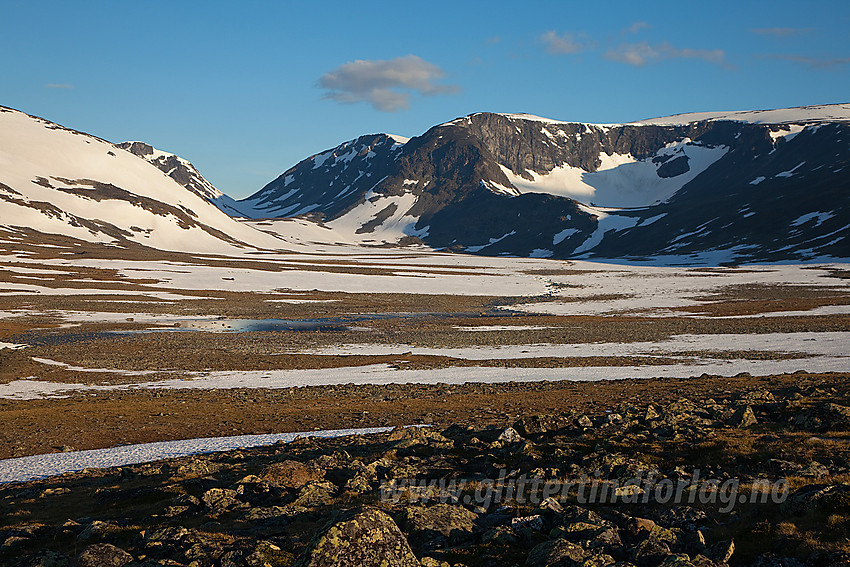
(223, 325)
(254, 325)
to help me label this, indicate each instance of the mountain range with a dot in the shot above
(708, 187)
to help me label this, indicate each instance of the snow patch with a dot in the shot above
(818, 217)
(563, 235)
(491, 242)
(791, 171)
(621, 180)
(801, 114)
(22, 469)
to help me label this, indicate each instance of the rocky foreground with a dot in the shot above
(753, 476)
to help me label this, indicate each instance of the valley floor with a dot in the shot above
(107, 346)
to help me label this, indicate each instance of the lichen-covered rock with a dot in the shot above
(743, 417)
(583, 421)
(197, 467)
(267, 554)
(773, 560)
(702, 561)
(315, 494)
(826, 499)
(678, 560)
(722, 552)
(221, 499)
(503, 535)
(410, 436)
(441, 524)
(48, 558)
(757, 397)
(510, 435)
(534, 424)
(364, 539)
(103, 555)
(823, 417)
(656, 547)
(291, 474)
(557, 552)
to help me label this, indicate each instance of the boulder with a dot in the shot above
(315, 494)
(48, 558)
(439, 525)
(290, 474)
(823, 417)
(221, 499)
(510, 435)
(360, 539)
(721, 552)
(584, 422)
(677, 560)
(535, 424)
(773, 560)
(557, 552)
(743, 417)
(103, 555)
(266, 554)
(410, 436)
(826, 499)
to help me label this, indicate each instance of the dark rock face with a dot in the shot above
(767, 198)
(674, 167)
(366, 538)
(524, 144)
(329, 183)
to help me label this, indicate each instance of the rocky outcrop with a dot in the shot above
(175, 167)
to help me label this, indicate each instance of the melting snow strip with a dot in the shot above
(34, 467)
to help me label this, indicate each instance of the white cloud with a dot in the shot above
(640, 54)
(385, 84)
(637, 26)
(560, 44)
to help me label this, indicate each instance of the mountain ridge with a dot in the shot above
(591, 190)
(703, 191)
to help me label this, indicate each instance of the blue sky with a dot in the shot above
(246, 89)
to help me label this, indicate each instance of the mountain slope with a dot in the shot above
(745, 186)
(57, 181)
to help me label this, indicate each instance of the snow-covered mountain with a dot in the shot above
(755, 185)
(706, 187)
(60, 183)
